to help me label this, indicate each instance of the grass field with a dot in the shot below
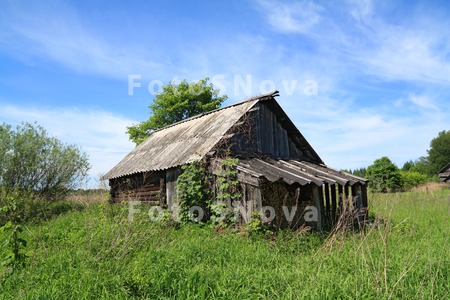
(93, 252)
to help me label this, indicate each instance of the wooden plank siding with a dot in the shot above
(265, 135)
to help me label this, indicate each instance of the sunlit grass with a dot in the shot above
(97, 253)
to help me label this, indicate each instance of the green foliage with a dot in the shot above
(227, 180)
(408, 166)
(14, 256)
(192, 190)
(421, 165)
(384, 176)
(361, 172)
(31, 160)
(98, 254)
(439, 152)
(175, 103)
(412, 179)
(256, 226)
(228, 191)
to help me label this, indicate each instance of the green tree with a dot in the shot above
(384, 175)
(408, 166)
(32, 161)
(420, 165)
(175, 103)
(439, 153)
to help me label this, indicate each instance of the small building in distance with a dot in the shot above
(444, 173)
(277, 166)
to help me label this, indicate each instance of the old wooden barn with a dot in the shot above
(277, 167)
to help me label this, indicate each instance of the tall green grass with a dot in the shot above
(97, 253)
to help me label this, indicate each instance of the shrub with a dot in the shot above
(411, 179)
(31, 160)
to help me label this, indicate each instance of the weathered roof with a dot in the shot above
(293, 171)
(183, 142)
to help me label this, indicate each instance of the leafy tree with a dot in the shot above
(421, 165)
(33, 162)
(439, 153)
(175, 103)
(384, 175)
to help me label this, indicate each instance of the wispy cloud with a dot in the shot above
(60, 35)
(357, 32)
(409, 54)
(422, 101)
(297, 17)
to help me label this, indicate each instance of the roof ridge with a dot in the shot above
(262, 97)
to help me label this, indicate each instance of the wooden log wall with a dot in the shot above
(147, 187)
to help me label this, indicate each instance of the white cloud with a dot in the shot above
(60, 35)
(297, 17)
(99, 133)
(415, 48)
(360, 9)
(406, 54)
(423, 101)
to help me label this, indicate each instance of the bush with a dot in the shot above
(412, 179)
(34, 162)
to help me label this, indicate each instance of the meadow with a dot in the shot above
(92, 251)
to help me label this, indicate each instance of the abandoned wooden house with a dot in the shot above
(444, 174)
(277, 167)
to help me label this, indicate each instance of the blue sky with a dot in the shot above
(360, 79)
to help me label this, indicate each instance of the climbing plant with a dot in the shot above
(228, 192)
(193, 190)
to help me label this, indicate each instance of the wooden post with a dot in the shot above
(355, 193)
(327, 202)
(162, 192)
(317, 201)
(347, 201)
(341, 198)
(171, 185)
(333, 203)
(364, 200)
